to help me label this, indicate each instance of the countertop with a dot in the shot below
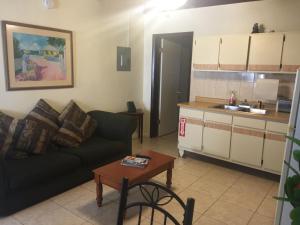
(271, 115)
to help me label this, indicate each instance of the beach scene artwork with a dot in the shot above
(39, 58)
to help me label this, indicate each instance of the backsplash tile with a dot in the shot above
(216, 84)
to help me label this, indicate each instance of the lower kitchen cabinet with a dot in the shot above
(190, 129)
(247, 146)
(273, 153)
(216, 141)
(217, 134)
(192, 138)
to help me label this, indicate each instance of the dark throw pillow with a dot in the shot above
(33, 138)
(73, 113)
(69, 135)
(18, 138)
(9, 131)
(45, 115)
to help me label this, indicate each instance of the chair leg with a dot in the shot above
(189, 211)
(123, 202)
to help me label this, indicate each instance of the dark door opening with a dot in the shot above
(170, 80)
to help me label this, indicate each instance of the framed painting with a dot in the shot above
(37, 57)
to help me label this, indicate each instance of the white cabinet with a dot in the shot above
(234, 52)
(274, 146)
(206, 53)
(191, 121)
(273, 151)
(217, 134)
(291, 52)
(247, 141)
(265, 52)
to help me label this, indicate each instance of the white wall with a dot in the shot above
(280, 15)
(99, 26)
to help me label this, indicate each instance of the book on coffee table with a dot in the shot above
(133, 161)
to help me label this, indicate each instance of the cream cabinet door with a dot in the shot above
(217, 134)
(274, 151)
(291, 52)
(190, 131)
(216, 139)
(265, 52)
(206, 53)
(192, 138)
(234, 52)
(247, 145)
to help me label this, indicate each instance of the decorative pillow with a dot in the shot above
(73, 113)
(69, 135)
(45, 115)
(33, 138)
(7, 125)
(18, 138)
(9, 130)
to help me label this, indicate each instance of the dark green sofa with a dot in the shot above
(29, 181)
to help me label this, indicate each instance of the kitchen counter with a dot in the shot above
(271, 115)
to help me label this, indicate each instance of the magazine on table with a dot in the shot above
(135, 161)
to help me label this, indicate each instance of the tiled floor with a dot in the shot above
(223, 196)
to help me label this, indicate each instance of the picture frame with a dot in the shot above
(37, 57)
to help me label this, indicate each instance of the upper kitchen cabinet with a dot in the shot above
(291, 49)
(234, 52)
(265, 52)
(206, 53)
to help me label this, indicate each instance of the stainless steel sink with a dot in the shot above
(241, 109)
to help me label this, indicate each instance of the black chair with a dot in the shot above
(154, 197)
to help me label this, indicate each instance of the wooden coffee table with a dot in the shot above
(113, 173)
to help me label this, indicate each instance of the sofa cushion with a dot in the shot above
(72, 112)
(44, 114)
(96, 150)
(39, 168)
(69, 135)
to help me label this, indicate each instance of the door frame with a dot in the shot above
(155, 78)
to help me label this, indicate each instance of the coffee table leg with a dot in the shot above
(99, 190)
(169, 177)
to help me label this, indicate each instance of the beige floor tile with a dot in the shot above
(222, 177)
(248, 182)
(205, 220)
(213, 188)
(9, 221)
(230, 213)
(57, 217)
(258, 219)
(268, 207)
(274, 190)
(203, 199)
(70, 195)
(248, 199)
(36, 211)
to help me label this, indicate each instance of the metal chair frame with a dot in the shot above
(154, 200)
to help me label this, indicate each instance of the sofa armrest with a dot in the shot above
(114, 126)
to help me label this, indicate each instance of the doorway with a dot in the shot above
(170, 81)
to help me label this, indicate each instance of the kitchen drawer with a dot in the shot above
(191, 113)
(277, 127)
(246, 122)
(216, 117)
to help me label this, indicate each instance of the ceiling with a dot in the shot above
(204, 3)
